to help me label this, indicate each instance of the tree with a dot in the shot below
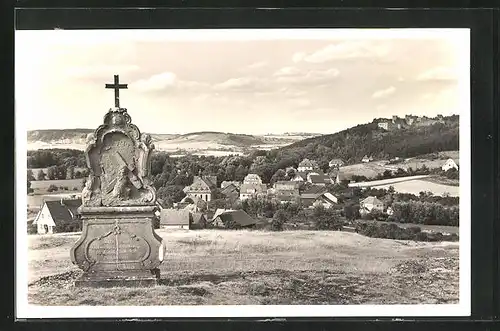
(279, 220)
(52, 188)
(30, 175)
(171, 192)
(29, 190)
(40, 175)
(279, 175)
(70, 172)
(52, 172)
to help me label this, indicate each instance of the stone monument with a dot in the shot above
(118, 245)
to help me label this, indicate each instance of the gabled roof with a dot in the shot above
(226, 183)
(336, 161)
(205, 183)
(230, 189)
(198, 218)
(238, 216)
(252, 178)
(289, 183)
(344, 176)
(329, 197)
(301, 174)
(371, 200)
(320, 179)
(63, 210)
(220, 211)
(174, 217)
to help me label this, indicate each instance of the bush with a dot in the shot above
(52, 188)
(392, 231)
(278, 221)
(324, 219)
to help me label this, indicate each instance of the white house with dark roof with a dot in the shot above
(57, 212)
(371, 203)
(202, 187)
(307, 165)
(252, 179)
(336, 163)
(319, 179)
(449, 164)
(327, 200)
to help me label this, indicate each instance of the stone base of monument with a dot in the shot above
(118, 247)
(126, 278)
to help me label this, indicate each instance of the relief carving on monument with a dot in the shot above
(118, 156)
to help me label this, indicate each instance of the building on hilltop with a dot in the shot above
(307, 165)
(202, 187)
(449, 164)
(366, 159)
(58, 214)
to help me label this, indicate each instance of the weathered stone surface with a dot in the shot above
(118, 245)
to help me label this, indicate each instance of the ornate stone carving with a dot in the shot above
(119, 158)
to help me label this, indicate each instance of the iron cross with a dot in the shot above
(117, 86)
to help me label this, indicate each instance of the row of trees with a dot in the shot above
(57, 172)
(45, 158)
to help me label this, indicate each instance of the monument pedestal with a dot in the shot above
(118, 247)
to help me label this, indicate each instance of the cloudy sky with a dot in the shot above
(238, 81)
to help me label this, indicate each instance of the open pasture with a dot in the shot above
(213, 267)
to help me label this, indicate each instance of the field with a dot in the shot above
(40, 192)
(412, 185)
(44, 184)
(210, 267)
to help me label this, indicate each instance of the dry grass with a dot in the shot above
(254, 267)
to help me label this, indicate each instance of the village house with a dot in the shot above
(327, 200)
(252, 179)
(307, 165)
(449, 164)
(62, 213)
(366, 159)
(202, 187)
(300, 177)
(181, 219)
(309, 196)
(238, 218)
(193, 203)
(286, 185)
(284, 196)
(371, 203)
(319, 179)
(389, 211)
(248, 191)
(336, 163)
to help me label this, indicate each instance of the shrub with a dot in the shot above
(393, 231)
(279, 220)
(52, 188)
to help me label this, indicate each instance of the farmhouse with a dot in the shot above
(343, 177)
(307, 165)
(336, 163)
(194, 204)
(252, 191)
(319, 179)
(61, 213)
(233, 218)
(327, 200)
(371, 203)
(181, 219)
(252, 179)
(449, 164)
(202, 187)
(309, 196)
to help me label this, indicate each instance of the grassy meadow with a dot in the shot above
(217, 267)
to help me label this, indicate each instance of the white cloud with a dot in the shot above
(240, 84)
(437, 73)
(289, 75)
(156, 82)
(257, 65)
(348, 50)
(102, 71)
(287, 71)
(299, 56)
(384, 93)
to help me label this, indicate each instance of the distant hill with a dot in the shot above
(195, 141)
(367, 139)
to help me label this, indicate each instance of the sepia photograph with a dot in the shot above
(251, 173)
